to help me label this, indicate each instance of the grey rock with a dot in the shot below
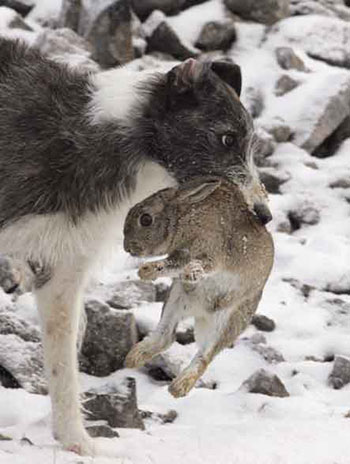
(70, 14)
(143, 8)
(162, 291)
(340, 375)
(216, 35)
(257, 338)
(308, 7)
(254, 101)
(190, 3)
(7, 380)
(263, 11)
(131, 293)
(272, 179)
(118, 407)
(265, 383)
(279, 129)
(185, 337)
(166, 418)
(11, 323)
(332, 143)
(109, 33)
(24, 361)
(102, 430)
(161, 37)
(341, 183)
(305, 215)
(270, 354)
(21, 7)
(263, 323)
(165, 366)
(109, 336)
(284, 85)
(10, 276)
(264, 145)
(287, 59)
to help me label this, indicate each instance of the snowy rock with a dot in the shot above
(108, 29)
(265, 383)
(332, 143)
(340, 375)
(10, 276)
(70, 14)
(306, 214)
(263, 323)
(12, 20)
(102, 430)
(343, 183)
(331, 8)
(185, 337)
(129, 294)
(167, 365)
(253, 100)
(167, 418)
(11, 323)
(287, 59)
(279, 129)
(21, 7)
(24, 361)
(109, 336)
(263, 11)
(272, 179)
(162, 291)
(216, 35)
(284, 85)
(270, 354)
(143, 8)
(161, 37)
(264, 146)
(118, 407)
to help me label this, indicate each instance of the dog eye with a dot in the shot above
(146, 220)
(228, 140)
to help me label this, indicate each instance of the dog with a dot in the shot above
(76, 151)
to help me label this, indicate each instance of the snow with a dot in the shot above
(228, 425)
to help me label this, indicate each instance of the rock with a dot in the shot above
(118, 407)
(332, 143)
(253, 100)
(185, 337)
(306, 214)
(167, 418)
(131, 293)
(265, 383)
(12, 20)
(340, 375)
(21, 7)
(216, 35)
(64, 45)
(208, 384)
(109, 32)
(109, 336)
(7, 380)
(287, 59)
(24, 361)
(279, 129)
(161, 37)
(305, 289)
(167, 365)
(162, 292)
(263, 146)
(10, 276)
(284, 85)
(341, 183)
(331, 8)
(11, 323)
(143, 8)
(71, 11)
(190, 3)
(102, 430)
(263, 323)
(270, 354)
(262, 11)
(272, 179)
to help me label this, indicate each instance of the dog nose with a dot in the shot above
(263, 213)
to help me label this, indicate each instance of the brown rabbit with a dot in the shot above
(220, 256)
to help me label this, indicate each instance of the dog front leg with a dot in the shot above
(59, 302)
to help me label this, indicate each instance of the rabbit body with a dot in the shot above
(220, 256)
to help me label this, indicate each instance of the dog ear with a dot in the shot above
(229, 73)
(199, 192)
(183, 77)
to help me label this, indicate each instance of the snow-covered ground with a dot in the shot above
(229, 425)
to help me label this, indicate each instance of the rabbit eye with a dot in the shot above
(228, 140)
(146, 220)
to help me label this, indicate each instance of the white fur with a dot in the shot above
(115, 94)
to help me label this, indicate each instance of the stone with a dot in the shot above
(306, 214)
(272, 179)
(132, 293)
(330, 8)
(161, 37)
(262, 11)
(10, 276)
(284, 85)
(341, 183)
(24, 361)
(7, 380)
(332, 143)
(143, 8)
(340, 375)
(166, 418)
(265, 383)
(20, 6)
(270, 354)
(263, 146)
(102, 430)
(109, 32)
(116, 406)
(263, 323)
(253, 100)
(216, 35)
(185, 337)
(287, 59)
(11, 323)
(167, 365)
(71, 11)
(162, 291)
(109, 336)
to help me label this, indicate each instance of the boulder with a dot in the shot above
(216, 35)
(161, 37)
(262, 11)
(265, 383)
(288, 59)
(116, 406)
(332, 143)
(263, 323)
(340, 375)
(11, 323)
(143, 8)
(284, 85)
(131, 293)
(24, 361)
(109, 336)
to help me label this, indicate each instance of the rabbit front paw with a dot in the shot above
(140, 354)
(183, 383)
(151, 271)
(193, 272)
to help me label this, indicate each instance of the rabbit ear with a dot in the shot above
(182, 78)
(198, 193)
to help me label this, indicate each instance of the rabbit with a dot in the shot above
(220, 256)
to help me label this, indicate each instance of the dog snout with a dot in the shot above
(263, 212)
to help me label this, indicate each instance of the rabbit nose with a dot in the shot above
(263, 213)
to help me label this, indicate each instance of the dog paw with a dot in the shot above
(182, 384)
(151, 271)
(193, 272)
